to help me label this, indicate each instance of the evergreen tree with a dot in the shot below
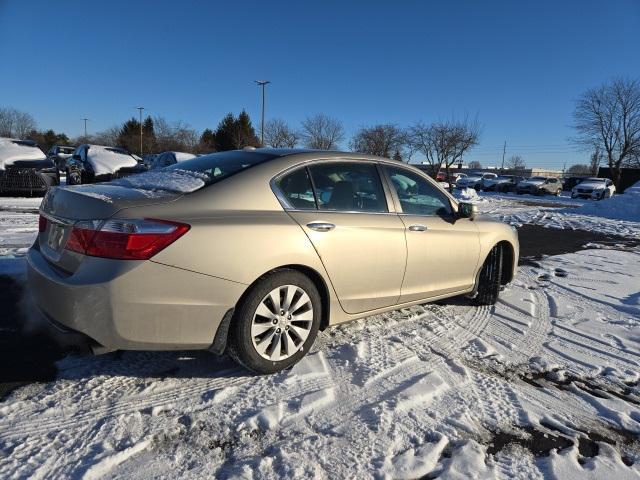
(397, 156)
(129, 136)
(207, 141)
(148, 136)
(48, 139)
(235, 133)
(245, 134)
(224, 136)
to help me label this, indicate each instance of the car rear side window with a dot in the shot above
(348, 187)
(296, 188)
(416, 194)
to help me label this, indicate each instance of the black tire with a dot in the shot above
(490, 276)
(74, 178)
(240, 345)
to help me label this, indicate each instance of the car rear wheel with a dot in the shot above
(276, 322)
(489, 279)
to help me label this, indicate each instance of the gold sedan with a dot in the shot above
(252, 252)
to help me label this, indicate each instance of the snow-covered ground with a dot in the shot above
(543, 385)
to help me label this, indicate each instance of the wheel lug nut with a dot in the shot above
(287, 327)
(281, 312)
(277, 330)
(288, 317)
(275, 322)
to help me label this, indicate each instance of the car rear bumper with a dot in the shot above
(597, 194)
(133, 305)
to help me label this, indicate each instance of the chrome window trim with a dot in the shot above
(452, 201)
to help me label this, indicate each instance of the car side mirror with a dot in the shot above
(467, 210)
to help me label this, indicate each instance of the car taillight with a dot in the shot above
(42, 223)
(124, 239)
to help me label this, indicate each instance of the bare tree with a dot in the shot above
(14, 123)
(609, 117)
(596, 160)
(444, 143)
(381, 140)
(278, 134)
(107, 137)
(174, 136)
(322, 132)
(516, 162)
(6, 122)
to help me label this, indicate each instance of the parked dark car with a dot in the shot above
(25, 169)
(540, 186)
(166, 159)
(502, 183)
(571, 182)
(96, 163)
(59, 154)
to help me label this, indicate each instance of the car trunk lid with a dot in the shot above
(64, 208)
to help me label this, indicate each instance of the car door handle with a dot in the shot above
(417, 228)
(321, 226)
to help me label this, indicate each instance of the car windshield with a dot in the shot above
(505, 177)
(194, 174)
(594, 180)
(537, 179)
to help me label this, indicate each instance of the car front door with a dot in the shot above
(443, 250)
(347, 217)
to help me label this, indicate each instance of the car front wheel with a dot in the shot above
(490, 276)
(276, 322)
(73, 178)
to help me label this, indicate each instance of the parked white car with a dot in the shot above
(596, 188)
(475, 180)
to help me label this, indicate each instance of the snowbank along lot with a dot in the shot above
(543, 385)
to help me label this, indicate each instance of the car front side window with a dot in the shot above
(417, 195)
(348, 187)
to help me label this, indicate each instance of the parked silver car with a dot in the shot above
(540, 186)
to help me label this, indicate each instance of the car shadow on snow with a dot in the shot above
(32, 351)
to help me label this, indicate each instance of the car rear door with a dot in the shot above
(344, 210)
(443, 250)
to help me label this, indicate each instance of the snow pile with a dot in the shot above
(466, 194)
(173, 180)
(620, 207)
(105, 160)
(10, 152)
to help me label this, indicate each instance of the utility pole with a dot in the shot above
(140, 109)
(262, 83)
(504, 151)
(85, 128)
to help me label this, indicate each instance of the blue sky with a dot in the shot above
(518, 66)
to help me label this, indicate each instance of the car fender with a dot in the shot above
(490, 234)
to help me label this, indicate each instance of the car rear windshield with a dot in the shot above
(197, 173)
(538, 178)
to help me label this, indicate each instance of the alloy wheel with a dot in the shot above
(282, 322)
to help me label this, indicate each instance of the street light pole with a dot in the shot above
(140, 109)
(85, 128)
(262, 83)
